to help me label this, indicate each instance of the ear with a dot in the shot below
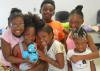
(82, 21)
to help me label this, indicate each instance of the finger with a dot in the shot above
(39, 52)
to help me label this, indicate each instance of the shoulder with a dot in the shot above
(89, 38)
(15, 50)
(58, 46)
(71, 51)
(58, 23)
(7, 31)
(7, 35)
(55, 23)
(56, 42)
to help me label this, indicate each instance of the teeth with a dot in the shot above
(17, 31)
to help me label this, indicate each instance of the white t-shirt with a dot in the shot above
(56, 48)
(82, 65)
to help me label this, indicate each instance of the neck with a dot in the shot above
(26, 43)
(17, 36)
(47, 20)
(79, 51)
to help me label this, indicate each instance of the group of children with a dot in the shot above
(55, 52)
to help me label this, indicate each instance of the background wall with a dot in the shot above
(90, 8)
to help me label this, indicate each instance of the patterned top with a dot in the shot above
(56, 48)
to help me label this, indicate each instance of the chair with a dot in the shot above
(98, 17)
(62, 16)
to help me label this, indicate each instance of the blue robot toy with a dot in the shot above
(31, 53)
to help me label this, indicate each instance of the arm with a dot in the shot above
(69, 65)
(59, 62)
(94, 54)
(7, 53)
(92, 64)
(91, 45)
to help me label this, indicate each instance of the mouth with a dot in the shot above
(18, 32)
(47, 15)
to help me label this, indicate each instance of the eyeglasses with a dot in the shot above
(16, 26)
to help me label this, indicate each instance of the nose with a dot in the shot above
(30, 37)
(48, 11)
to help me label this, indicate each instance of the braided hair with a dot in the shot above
(78, 11)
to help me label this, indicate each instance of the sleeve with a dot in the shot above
(69, 54)
(6, 36)
(59, 48)
(61, 32)
(60, 25)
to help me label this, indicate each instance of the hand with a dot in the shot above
(27, 60)
(75, 58)
(30, 64)
(43, 43)
(42, 56)
(25, 66)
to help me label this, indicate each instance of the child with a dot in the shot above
(29, 38)
(81, 49)
(12, 36)
(55, 54)
(78, 50)
(47, 10)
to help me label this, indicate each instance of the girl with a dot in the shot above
(55, 54)
(80, 39)
(13, 35)
(29, 37)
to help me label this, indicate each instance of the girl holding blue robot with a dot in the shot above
(27, 50)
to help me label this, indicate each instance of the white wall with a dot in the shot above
(90, 8)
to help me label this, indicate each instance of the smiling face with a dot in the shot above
(47, 11)
(75, 21)
(81, 44)
(17, 26)
(30, 35)
(45, 37)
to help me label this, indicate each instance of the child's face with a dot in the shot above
(30, 35)
(80, 48)
(17, 26)
(47, 11)
(75, 21)
(45, 37)
(81, 44)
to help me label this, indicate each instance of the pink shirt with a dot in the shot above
(70, 43)
(12, 40)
